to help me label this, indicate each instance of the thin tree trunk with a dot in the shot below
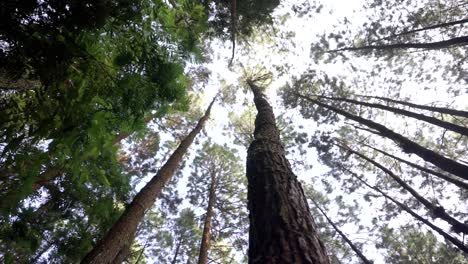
(441, 232)
(436, 211)
(458, 41)
(176, 253)
(206, 237)
(458, 183)
(447, 24)
(406, 144)
(442, 110)
(282, 229)
(124, 229)
(431, 120)
(233, 29)
(345, 238)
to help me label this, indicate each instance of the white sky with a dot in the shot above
(305, 29)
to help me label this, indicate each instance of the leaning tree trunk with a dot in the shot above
(429, 119)
(406, 144)
(458, 41)
(443, 110)
(404, 207)
(206, 237)
(356, 250)
(282, 229)
(124, 229)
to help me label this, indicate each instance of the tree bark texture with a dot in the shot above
(429, 119)
(206, 237)
(441, 232)
(124, 229)
(282, 229)
(442, 110)
(406, 144)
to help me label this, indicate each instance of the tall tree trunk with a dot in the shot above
(124, 229)
(282, 229)
(443, 110)
(436, 211)
(406, 144)
(441, 232)
(206, 237)
(429, 119)
(457, 182)
(458, 41)
(345, 238)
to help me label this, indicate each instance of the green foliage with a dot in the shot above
(220, 165)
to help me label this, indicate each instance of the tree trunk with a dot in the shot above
(441, 232)
(176, 253)
(436, 211)
(458, 41)
(233, 29)
(457, 182)
(124, 229)
(447, 24)
(282, 229)
(431, 120)
(206, 237)
(443, 110)
(406, 144)
(345, 238)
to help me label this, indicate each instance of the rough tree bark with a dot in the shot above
(406, 144)
(206, 237)
(123, 230)
(282, 229)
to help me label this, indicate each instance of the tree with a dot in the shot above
(276, 234)
(119, 234)
(216, 184)
(409, 244)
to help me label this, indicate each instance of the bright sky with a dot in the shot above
(305, 28)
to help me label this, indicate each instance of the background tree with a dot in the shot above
(217, 185)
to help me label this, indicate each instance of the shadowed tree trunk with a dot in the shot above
(443, 110)
(458, 41)
(124, 229)
(406, 144)
(206, 237)
(282, 229)
(436, 211)
(345, 238)
(458, 183)
(431, 120)
(441, 232)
